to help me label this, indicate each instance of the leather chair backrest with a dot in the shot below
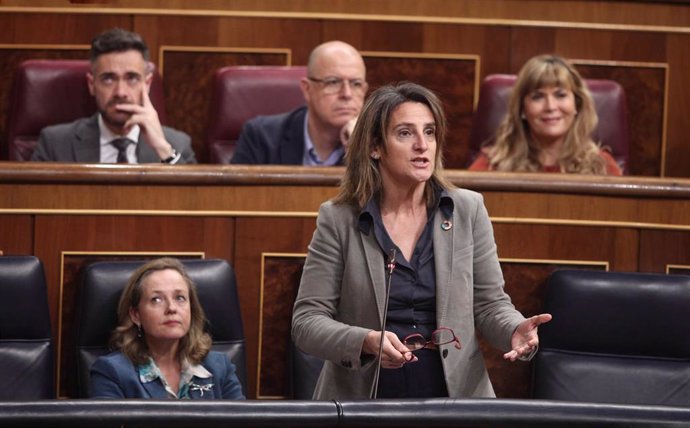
(49, 92)
(241, 93)
(99, 294)
(615, 338)
(26, 346)
(609, 102)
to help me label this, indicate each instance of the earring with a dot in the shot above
(375, 156)
(523, 117)
(140, 331)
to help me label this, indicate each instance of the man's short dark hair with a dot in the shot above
(118, 40)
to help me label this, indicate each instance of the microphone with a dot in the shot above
(390, 267)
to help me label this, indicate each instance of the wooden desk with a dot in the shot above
(261, 220)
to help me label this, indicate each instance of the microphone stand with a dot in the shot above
(390, 267)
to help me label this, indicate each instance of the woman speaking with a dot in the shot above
(401, 248)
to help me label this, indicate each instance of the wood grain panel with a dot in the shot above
(659, 248)
(676, 159)
(638, 46)
(635, 12)
(57, 28)
(281, 278)
(613, 245)
(298, 35)
(528, 42)
(453, 79)
(16, 235)
(491, 43)
(645, 90)
(254, 237)
(189, 199)
(188, 78)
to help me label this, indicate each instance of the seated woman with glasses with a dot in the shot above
(549, 124)
(162, 349)
(401, 248)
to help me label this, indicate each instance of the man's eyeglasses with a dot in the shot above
(333, 85)
(440, 336)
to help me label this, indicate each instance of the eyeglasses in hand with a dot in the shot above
(440, 336)
(333, 85)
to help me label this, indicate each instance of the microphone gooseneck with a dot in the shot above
(390, 267)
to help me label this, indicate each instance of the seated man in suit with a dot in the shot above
(316, 134)
(126, 128)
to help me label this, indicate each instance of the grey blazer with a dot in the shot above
(78, 141)
(342, 292)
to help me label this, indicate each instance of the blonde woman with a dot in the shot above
(549, 124)
(162, 351)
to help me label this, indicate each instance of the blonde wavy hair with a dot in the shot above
(362, 179)
(194, 346)
(514, 149)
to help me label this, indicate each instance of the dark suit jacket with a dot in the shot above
(276, 139)
(78, 141)
(114, 376)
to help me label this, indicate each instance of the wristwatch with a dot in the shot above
(173, 158)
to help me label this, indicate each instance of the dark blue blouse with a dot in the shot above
(412, 303)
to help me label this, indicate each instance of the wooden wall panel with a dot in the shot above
(298, 35)
(254, 238)
(584, 43)
(188, 75)
(660, 248)
(530, 41)
(573, 242)
(644, 86)
(16, 235)
(634, 12)
(60, 28)
(281, 278)
(492, 44)
(523, 205)
(677, 150)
